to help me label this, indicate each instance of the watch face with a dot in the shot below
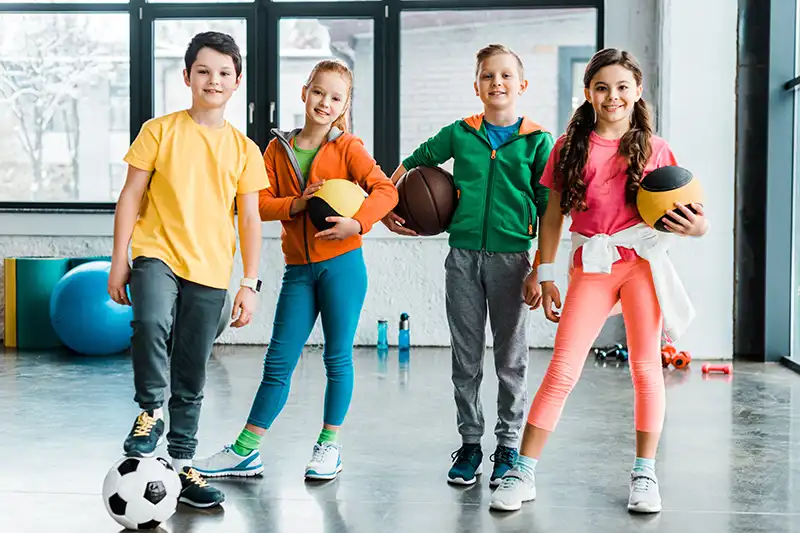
(258, 285)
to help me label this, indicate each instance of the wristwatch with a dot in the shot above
(251, 283)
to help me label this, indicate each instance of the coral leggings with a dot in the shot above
(588, 302)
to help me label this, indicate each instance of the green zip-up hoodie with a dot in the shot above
(499, 194)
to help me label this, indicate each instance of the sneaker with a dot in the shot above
(644, 497)
(196, 491)
(504, 459)
(326, 461)
(467, 463)
(515, 487)
(145, 436)
(229, 463)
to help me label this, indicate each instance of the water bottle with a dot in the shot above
(403, 338)
(383, 338)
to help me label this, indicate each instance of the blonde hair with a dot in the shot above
(334, 65)
(492, 50)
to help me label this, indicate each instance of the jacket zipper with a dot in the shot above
(530, 214)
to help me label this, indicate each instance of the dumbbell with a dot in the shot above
(725, 369)
(681, 360)
(618, 352)
(667, 353)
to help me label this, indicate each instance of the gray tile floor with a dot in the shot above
(729, 459)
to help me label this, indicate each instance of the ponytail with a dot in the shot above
(343, 122)
(636, 148)
(572, 159)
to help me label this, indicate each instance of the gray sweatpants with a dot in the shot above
(474, 279)
(172, 318)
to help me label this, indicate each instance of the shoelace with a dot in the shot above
(320, 452)
(509, 482)
(195, 477)
(642, 483)
(506, 456)
(463, 454)
(144, 425)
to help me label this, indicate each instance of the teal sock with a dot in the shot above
(641, 464)
(327, 435)
(246, 443)
(526, 464)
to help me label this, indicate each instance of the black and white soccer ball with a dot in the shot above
(141, 493)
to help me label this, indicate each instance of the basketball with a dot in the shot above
(659, 191)
(427, 200)
(336, 198)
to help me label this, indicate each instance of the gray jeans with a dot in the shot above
(475, 280)
(172, 319)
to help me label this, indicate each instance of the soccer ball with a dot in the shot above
(141, 493)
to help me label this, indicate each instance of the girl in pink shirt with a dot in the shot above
(594, 173)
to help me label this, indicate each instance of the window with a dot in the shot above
(437, 68)
(60, 79)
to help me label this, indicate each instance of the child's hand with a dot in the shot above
(117, 281)
(690, 224)
(300, 204)
(344, 228)
(532, 291)
(243, 307)
(551, 296)
(395, 225)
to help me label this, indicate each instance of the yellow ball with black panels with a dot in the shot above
(661, 189)
(336, 198)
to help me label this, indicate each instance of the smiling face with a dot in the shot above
(613, 92)
(213, 79)
(499, 82)
(326, 98)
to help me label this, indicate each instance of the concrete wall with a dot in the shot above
(407, 275)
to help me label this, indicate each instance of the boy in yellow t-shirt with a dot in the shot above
(176, 211)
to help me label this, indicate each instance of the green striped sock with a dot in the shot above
(327, 435)
(246, 443)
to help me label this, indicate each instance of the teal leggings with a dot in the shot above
(334, 289)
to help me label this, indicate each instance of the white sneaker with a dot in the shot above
(644, 497)
(227, 462)
(326, 461)
(515, 487)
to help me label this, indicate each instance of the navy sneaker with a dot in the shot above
(466, 465)
(145, 436)
(196, 491)
(504, 459)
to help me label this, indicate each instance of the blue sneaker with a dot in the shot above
(504, 459)
(467, 463)
(227, 462)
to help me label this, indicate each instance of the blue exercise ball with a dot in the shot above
(85, 317)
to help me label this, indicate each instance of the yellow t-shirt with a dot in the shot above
(186, 217)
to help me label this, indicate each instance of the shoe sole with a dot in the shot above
(644, 508)
(231, 473)
(196, 505)
(462, 481)
(325, 476)
(500, 506)
(145, 455)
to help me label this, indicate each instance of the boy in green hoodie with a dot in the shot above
(498, 159)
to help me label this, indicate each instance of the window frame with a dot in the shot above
(263, 17)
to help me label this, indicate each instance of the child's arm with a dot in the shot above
(382, 192)
(125, 217)
(250, 241)
(271, 206)
(541, 193)
(549, 237)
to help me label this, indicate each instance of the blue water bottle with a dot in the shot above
(404, 338)
(383, 338)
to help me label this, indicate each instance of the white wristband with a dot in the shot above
(546, 272)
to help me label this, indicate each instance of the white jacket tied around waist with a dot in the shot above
(600, 252)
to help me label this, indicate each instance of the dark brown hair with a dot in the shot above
(634, 146)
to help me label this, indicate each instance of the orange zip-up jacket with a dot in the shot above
(341, 156)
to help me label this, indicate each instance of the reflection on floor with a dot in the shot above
(729, 459)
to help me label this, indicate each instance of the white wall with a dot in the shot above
(695, 96)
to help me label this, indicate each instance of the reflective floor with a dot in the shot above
(729, 459)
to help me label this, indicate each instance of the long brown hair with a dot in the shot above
(332, 65)
(634, 146)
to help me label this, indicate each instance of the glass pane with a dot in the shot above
(304, 42)
(64, 1)
(795, 354)
(170, 93)
(65, 113)
(437, 68)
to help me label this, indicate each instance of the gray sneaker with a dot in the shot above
(515, 487)
(644, 496)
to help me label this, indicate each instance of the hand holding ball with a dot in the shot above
(661, 190)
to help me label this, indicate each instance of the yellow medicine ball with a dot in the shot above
(659, 191)
(336, 198)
